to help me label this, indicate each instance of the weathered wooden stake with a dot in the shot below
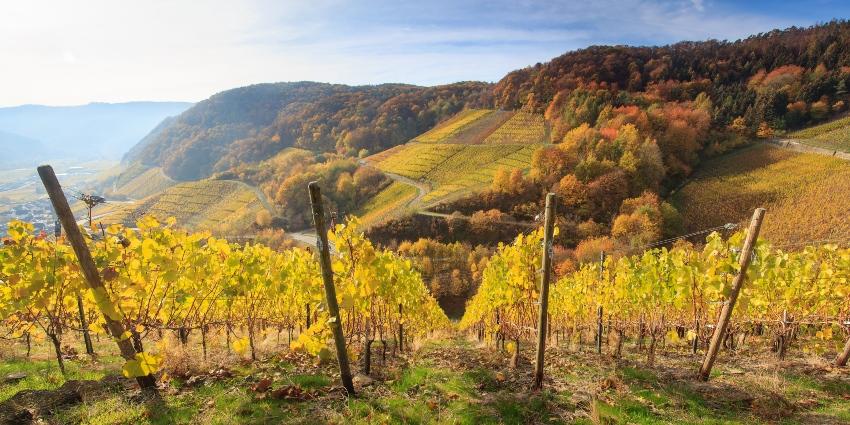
(726, 313)
(548, 228)
(400, 331)
(84, 325)
(63, 211)
(599, 330)
(330, 291)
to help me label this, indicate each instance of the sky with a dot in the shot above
(60, 52)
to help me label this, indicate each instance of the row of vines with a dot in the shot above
(671, 294)
(161, 279)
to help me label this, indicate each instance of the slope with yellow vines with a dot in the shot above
(807, 196)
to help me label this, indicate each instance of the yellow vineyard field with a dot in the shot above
(807, 196)
(388, 203)
(831, 135)
(453, 170)
(215, 205)
(148, 183)
(521, 128)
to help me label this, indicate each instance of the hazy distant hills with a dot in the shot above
(35, 133)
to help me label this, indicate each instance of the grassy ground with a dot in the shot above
(456, 381)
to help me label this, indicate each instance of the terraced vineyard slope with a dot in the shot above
(221, 206)
(807, 196)
(463, 154)
(522, 127)
(149, 182)
(832, 135)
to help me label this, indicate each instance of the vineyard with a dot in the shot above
(728, 187)
(521, 128)
(149, 182)
(206, 204)
(389, 202)
(190, 299)
(453, 169)
(468, 127)
(832, 135)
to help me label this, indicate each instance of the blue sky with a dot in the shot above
(59, 52)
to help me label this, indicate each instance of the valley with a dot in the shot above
(620, 234)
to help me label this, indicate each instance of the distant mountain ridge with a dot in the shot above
(92, 131)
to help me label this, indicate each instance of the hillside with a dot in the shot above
(20, 151)
(807, 196)
(223, 207)
(93, 131)
(609, 128)
(833, 135)
(250, 124)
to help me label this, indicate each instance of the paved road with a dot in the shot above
(308, 237)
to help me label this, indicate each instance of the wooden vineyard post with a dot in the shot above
(599, 330)
(400, 331)
(726, 312)
(84, 326)
(599, 308)
(330, 291)
(66, 217)
(548, 230)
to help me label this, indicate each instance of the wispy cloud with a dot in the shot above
(61, 52)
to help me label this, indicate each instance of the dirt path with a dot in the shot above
(260, 194)
(797, 146)
(421, 188)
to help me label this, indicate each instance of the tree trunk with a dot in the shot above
(367, 357)
(641, 334)
(84, 325)
(307, 322)
(650, 354)
(227, 336)
(137, 342)
(515, 355)
(183, 334)
(29, 345)
(841, 359)
(695, 342)
(251, 342)
(204, 341)
(621, 335)
(57, 347)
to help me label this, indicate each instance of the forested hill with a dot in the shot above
(776, 77)
(249, 124)
(782, 79)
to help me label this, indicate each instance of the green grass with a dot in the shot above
(452, 381)
(45, 374)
